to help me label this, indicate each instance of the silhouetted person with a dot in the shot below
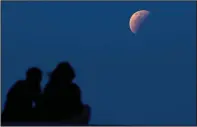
(18, 106)
(62, 97)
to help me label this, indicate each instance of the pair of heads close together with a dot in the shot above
(63, 73)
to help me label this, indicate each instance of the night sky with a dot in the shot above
(127, 79)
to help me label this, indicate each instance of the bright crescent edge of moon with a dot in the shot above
(137, 19)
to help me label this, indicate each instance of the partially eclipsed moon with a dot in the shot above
(137, 19)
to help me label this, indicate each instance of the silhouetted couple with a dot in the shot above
(59, 102)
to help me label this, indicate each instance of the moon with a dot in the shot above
(137, 19)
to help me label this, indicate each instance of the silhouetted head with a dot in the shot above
(34, 74)
(63, 73)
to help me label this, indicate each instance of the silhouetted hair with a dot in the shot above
(63, 71)
(34, 73)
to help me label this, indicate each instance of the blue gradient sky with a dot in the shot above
(147, 79)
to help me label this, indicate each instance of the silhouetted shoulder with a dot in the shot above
(75, 86)
(19, 82)
(76, 89)
(16, 88)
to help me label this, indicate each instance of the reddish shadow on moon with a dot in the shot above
(137, 19)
